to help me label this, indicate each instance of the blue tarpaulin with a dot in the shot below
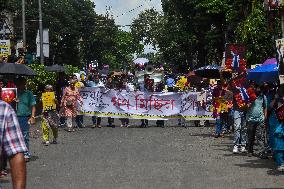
(264, 73)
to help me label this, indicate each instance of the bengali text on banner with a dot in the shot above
(145, 105)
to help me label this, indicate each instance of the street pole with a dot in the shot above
(40, 32)
(24, 24)
(282, 22)
(281, 61)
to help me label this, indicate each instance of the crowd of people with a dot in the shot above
(255, 124)
(248, 112)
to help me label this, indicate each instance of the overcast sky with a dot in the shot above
(122, 10)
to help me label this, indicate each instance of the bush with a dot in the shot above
(43, 78)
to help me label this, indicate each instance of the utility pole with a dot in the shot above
(40, 32)
(281, 78)
(282, 21)
(24, 24)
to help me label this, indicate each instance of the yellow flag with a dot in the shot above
(181, 83)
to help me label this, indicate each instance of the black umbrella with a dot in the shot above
(16, 69)
(210, 72)
(55, 68)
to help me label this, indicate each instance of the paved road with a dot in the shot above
(145, 158)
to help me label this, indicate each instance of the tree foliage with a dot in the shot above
(187, 34)
(77, 34)
(193, 33)
(43, 78)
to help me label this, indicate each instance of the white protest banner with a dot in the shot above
(142, 105)
(194, 109)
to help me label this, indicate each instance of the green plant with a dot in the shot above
(43, 78)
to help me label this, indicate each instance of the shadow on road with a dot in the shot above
(274, 172)
(257, 163)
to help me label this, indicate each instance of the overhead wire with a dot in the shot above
(130, 11)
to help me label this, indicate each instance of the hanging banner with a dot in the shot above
(143, 105)
(5, 48)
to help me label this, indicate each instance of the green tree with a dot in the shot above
(193, 33)
(77, 34)
(254, 34)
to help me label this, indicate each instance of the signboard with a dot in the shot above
(45, 43)
(5, 48)
(48, 101)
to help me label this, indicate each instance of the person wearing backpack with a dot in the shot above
(256, 117)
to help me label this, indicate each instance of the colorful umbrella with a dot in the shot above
(270, 61)
(267, 72)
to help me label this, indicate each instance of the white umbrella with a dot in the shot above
(141, 61)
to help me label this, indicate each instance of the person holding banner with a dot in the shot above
(148, 85)
(159, 88)
(50, 118)
(218, 92)
(69, 103)
(110, 85)
(94, 81)
(124, 121)
(240, 135)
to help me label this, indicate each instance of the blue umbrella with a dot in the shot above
(264, 73)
